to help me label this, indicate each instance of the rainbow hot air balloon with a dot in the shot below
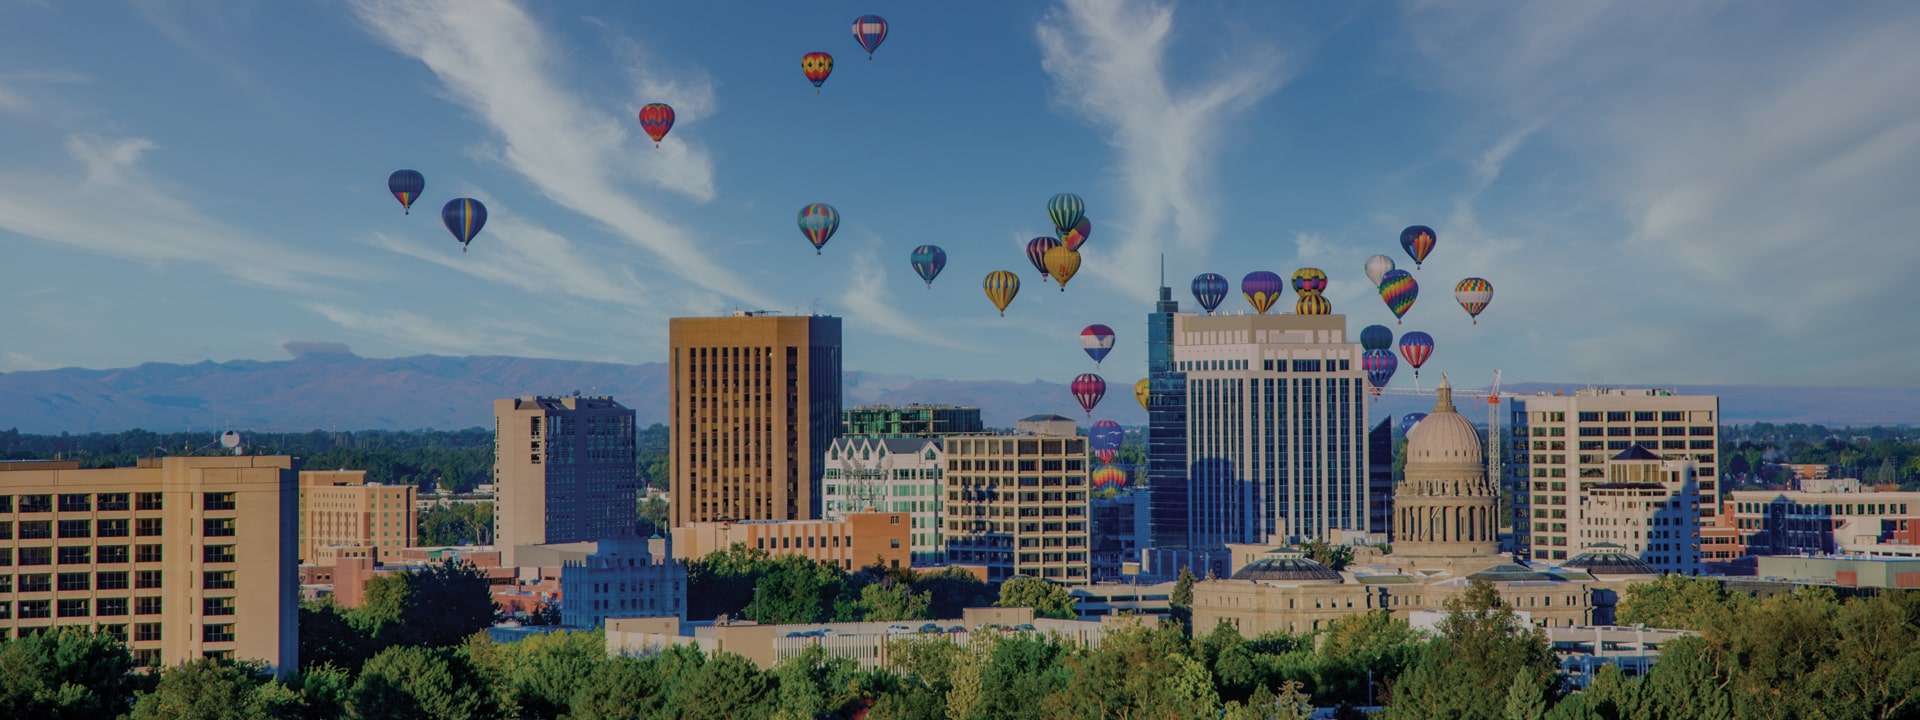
(1314, 304)
(817, 222)
(869, 31)
(1142, 392)
(1104, 439)
(1416, 347)
(1108, 476)
(1379, 365)
(817, 66)
(1474, 294)
(1062, 264)
(1001, 286)
(1398, 290)
(1262, 289)
(1418, 241)
(928, 261)
(1077, 235)
(406, 186)
(1309, 281)
(1066, 210)
(1377, 268)
(1037, 252)
(1376, 337)
(1209, 289)
(656, 119)
(1088, 389)
(464, 217)
(1097, 340)
(1409, 420)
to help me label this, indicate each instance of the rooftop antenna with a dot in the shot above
(1163, 269)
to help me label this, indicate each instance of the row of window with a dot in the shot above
(106, 527)
(105, 555)
(107, 580)
(105, 502)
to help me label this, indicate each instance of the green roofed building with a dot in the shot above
(910, 421)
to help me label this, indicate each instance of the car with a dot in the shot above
(930, 628)
(1026, 627)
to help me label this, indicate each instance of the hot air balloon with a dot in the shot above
(1377, 268)
(1062, 264)
(1088, 389)
(1379, 365)
(1416, 347)
(1474, 294)
(1309, 281)
(1097, 340)
(1077, 235)
(1409, 420)
(929, 260)
(1001, 286)
(406, 185)
(1066, 210)
(1314, 304)
(1210, 289)
(1109, 477)
(1262, 289)
(1141, 393)
(817, 66)
(869, 31)
(464, 217)
(1418, 241)
(1037, 252)
(1104, 438)
(1399, 291)
(1376, 337)
(656, 119)
(817, 222)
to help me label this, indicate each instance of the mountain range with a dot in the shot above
(325, 386)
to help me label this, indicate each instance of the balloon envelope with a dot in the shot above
(817, 66)
(1037, 252)
(1416, 347)
(1104, 438)
(406, 186)
(1313, 304)
(817, 222)
(1398, 290)
(1309, 281)
(1088, 388)
(1108, 476)
(1097, 340)
(1001, 286)
(1062, 264)
(1066, 210)
(1077, 235)
(656, 119)
(1141, 392)
(928, 261)
(1473, 294)
(1379, 365)
(1376, 337)
(1262, 289)
(464, 217)
(1377, 267)
(1209, 289)
(1418, 241)
(869, 31)
(1407, 422)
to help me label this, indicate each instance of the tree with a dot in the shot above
(1468, 670)
(1047, 599)
(953, 590)
(888, 601)
(1525, 700)
(1182, 595)
(407, 683)
(538, 676)
(1678, 601)
(654, 516)
(466, 523)
(438, 606)
(618, 689)
(1335, 557)
(208, 689)
(65, 672)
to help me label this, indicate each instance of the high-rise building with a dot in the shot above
(1118, 533)
(869, 474)
(1648, 508)
(563, 471)
(340, 508)
(911, 421)
(1167, 491)
(1559, 446)
(1018, 505)
(180, 558)
(625, 576)
(756, 402)
(1380, 479)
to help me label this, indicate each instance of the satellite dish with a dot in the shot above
(231, 441)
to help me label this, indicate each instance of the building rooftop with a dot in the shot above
(1609, 559)
(1510, 573)
(1637, 453)
(1046, 418)
(1286, 565)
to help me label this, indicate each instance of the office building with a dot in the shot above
(911, 421)
(563, 471)
(1560, 445)
(1849, 520)
(1649, 507)
(857, 540)
(179, 557)
(1017, 504)
(625, 576)
(756, 402)
(1167, 489)
(339, 508)
(868, 474)
(1119, 533)
(1380, 479)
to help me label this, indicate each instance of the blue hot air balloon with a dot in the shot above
(464, 217)
(1379, 365)
(1407, 422)
(1376, 337)
(1210, 289)
(406, 186)
(1104, 439)
(929, 260)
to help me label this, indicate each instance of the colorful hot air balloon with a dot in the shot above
(1376, 337)
(1314, 304)
(1416, 347)
(406, 185)
(1109, 476)
(1418, 241)
(817, 66)
(656, 119)
(1209, 289)
(1104, 439)
(1037, 252)
(1066, 210)
(1077, 235)
(1379, 365)
(869, 31)
(1062, 264)
(1262, 289)
(464, 217)
(1097, 340)
(1399, 291)
(1001, 286)
(1474, 294)
(1141, 392)
(1309, 281)
(817, 222)
(1088, 389)
(1377, 268)
(1409, 420)
(929, 260)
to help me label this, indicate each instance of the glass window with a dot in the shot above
(36, 582)
(114, 502)
(74, 607)
(36, 529)
(217, 579)
(113, 607)
(146, 606)
(76, 528)
(76, 581)
(147, 579)
(111, 528)
(216, 606)
(115, 580)
(110, 554)
(220, 501)
(146, 553)
(217, 633)
(30, 609)
(217, 527)
(147, 527)
(80, 502)
(76, 555)
(148, 501)
(148, 632)
(36, 556)
(36, 503)
(218, 554)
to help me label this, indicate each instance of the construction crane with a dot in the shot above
(1494, 448)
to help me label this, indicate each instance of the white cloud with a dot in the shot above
(519, 254)
(11, 361)
(417, 332)
(1109, 59)
(869, 304)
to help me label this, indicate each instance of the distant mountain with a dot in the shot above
(325, 386)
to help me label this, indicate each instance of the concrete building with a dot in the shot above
(179, 557)
(625, 576)
(1153, 600)
(340, 508)
(756, 402)
(867, 474)
(853, 542)
(1650, 507)
(1844, 571)
(1018, 503)
(911, 421)
(1860, 522)
(1559, 445)
(563, 471)
(863, 642)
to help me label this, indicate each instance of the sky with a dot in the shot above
(1660, 192)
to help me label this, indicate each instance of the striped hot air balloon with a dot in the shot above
(1398, 291)
(817, 222)
(1108, 476)
(464, 217)
(1314, 304)
(1001, 286)
(869, 31)
(1379, 365)
(1416, 347)
(656, 119)
(406, 186)
(1209, 289)
(1088, 388)
(1376, 337)
(1309, 281)
(1418, 241)
(1066, 210)
(1037, 252)
(1474, 294)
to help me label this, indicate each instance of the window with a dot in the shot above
(6, 583)
(6, 610)
(147, 632)
(76, 555)
(6, 503)
(147, 501)
(37, 582)
(111, 528)
(76, 528)
(76, 607)
(147, 657)
(36, 529)
(110, 555)
(219, 501)
(30, 609)
(146, 553)
(119, 632)
(216, 606)
(113, 502)
(76, 503)
(217, 554)
(1616, 417)
(36, 504)
(147, 527)
(6, 529)
(30, 556)
(76, 581)
(217, 527)
(217, 580)
(147, 579)
(146, 606)
(116, 580)
(217, 633)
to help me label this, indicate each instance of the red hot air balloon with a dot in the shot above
(817, 66)
(656, 119)
(1088, 389)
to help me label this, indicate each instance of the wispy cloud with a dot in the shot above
(418, 332)
(15, 94)
(1109, 59)
(868, 303)
(521, 255)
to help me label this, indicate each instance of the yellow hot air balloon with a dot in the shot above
(1140, 393)
(1001, 286)
(1062, 263)
(1314, 304)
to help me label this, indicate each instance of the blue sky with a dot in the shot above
(1659, 192)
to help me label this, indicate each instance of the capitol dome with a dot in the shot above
(1444, 436)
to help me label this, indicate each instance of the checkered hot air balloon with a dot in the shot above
(869, 31)
(1474, 294)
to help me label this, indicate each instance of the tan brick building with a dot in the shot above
(1018, 505)
(563, 471)
(339, 507)
(853, 542)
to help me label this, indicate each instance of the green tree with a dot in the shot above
(217, 690)
(437, 606)
(1525, 697)
(1182, 595)
(457, 524)
(327, 637)
(410, 683)
(1047, 599)
(1468, 670)
(1678, 601)
(654, 516)
(953, 590)
(538, 676)
(1335, 557)
(888, 601)
(619, 689)
(65, 672)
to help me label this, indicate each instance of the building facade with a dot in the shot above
(1649, 507)
(756, 402)
(340, 508)
(1167, 490)
(1558, 448)
(180, 557)
(1119, 533)
(1859, 523)
(626, 576)
(563, 471)
(1017, 504)
(855, 541)
(1380, 479)
(911, 421)
(867, 474)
